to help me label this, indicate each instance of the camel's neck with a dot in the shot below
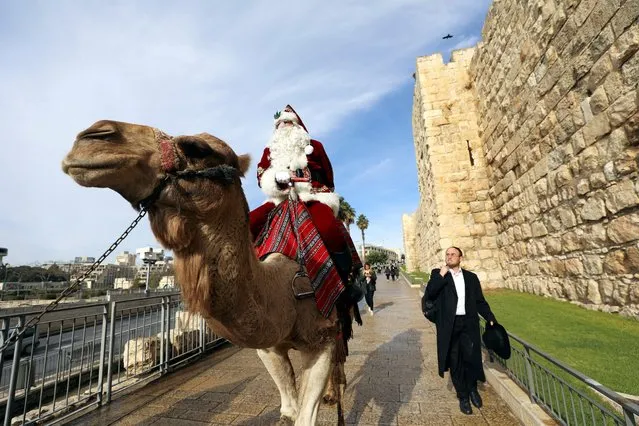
(215, 263)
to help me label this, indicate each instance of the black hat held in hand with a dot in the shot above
(496, 339)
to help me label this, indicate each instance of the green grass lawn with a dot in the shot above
(603, 346)
(417, 277)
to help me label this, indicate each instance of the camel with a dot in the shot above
(192, 190)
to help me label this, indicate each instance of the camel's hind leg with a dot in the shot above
(279, 367)
(317, 367)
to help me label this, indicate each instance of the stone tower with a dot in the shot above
(455, 209)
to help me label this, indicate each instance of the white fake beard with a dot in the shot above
(287, 147)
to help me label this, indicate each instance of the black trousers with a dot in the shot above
(459, 358)
(369, 297)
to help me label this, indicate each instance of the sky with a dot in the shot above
(210, 66)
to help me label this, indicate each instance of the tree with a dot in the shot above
(362, 224)
(346, 213)
(377, 257)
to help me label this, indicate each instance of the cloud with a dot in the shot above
(219, 67)
(368, 171)
(468, 41)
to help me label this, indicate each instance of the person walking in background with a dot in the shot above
(459, 301)
(387, 272)
(394, 272)
(370, 278)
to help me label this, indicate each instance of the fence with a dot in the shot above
(82, 355)
(569, 396)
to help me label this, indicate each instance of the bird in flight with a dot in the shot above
(447, 36)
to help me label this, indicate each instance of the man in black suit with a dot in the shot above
(459, 299)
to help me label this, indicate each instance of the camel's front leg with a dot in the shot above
(317, 367)
(279, 367)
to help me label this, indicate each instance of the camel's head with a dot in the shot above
(134, 160)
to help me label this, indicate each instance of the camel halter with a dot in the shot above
(170, 162)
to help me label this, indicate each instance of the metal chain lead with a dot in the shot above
(74, 286)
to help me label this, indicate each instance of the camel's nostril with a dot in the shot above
(102, 135)
(103, 130)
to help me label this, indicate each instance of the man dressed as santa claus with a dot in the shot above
(290, 156)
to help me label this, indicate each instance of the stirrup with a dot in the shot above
(298, 275)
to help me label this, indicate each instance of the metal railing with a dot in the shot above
(568, 395)
(82, 355)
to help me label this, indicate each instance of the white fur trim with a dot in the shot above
(308, 149)
(331, 199)
(286, 116)
(269, 185)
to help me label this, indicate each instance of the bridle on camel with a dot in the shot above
(170, 161)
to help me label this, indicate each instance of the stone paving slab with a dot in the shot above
(391, 372)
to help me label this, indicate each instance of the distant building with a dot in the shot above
(157, 262)
(104, 276)
(84, 259)
(125, 259)
(122, 283)
(167, 282)
(393, 255)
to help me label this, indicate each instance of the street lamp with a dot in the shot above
(149, 258)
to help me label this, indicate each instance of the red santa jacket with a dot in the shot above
(318, 170)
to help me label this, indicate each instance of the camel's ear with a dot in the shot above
(244, 162)
(193, 147)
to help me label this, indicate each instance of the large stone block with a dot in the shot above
(141, 353)
(625, 16)
(623, 108)
(624, 229)
(621, 196)
(593, 209)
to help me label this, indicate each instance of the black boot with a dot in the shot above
(475, 398)
(464, 406)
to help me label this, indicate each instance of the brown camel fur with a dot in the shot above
(204, 221)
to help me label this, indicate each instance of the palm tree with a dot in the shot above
(362, 224)
(346, 213)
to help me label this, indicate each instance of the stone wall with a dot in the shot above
(454, 209)
(556, 87)
(409, 234)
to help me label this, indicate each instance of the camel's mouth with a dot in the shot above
(79, 166)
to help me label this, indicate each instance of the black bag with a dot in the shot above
(355, 290)
(430, 308)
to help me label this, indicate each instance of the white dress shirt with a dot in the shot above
(460, 287)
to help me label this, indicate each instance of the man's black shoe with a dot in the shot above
(475, 398)
(464, 406)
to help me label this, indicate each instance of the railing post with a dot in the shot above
(105, 319)
(202, 334)
(4, 333)
(110, 356)
(15, 366)
(531, 381)
(629, 417)
(168, 332)
(163, 341)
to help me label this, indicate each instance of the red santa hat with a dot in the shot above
(289, 114)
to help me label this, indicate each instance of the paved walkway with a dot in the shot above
(392, 375)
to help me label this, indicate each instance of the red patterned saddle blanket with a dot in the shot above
(279, 236)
